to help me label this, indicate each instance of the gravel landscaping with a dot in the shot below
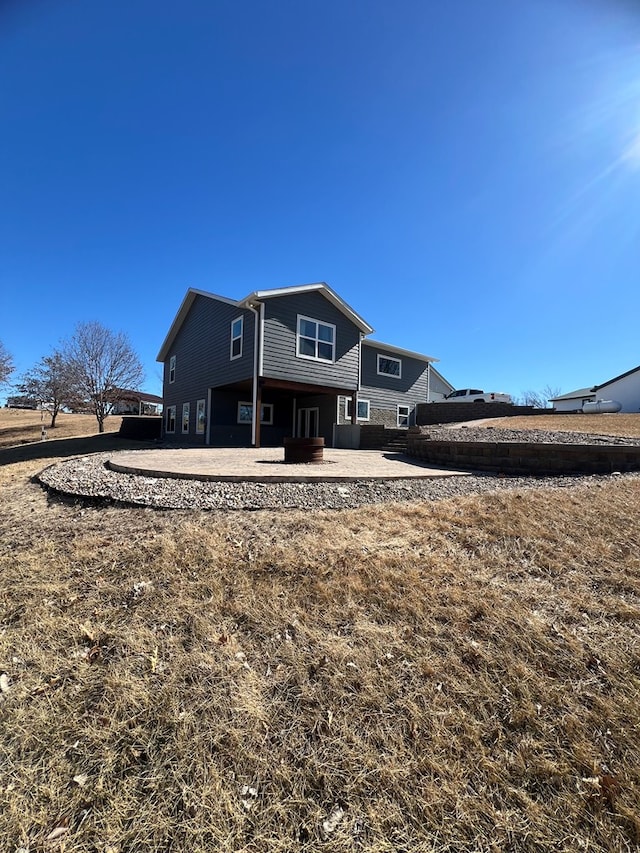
(496, 434)
(88, 477)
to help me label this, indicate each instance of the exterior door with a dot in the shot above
(308, 423)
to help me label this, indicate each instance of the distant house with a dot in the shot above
(136, 403)
(573, 401)
(624, 389)
(288, 361)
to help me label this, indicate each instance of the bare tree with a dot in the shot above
(540, 399)
(6, 365)
(103, 363)
(52, 382)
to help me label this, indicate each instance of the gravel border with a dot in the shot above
(88, 478)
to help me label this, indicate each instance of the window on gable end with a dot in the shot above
(389, 366)
(315, 340)
(237, 328)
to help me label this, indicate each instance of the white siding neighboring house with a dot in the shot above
(624, 389)
(573, 401)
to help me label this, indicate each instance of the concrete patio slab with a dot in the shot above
(266, 465)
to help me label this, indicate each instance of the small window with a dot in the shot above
(237, 327)
(403, 416)
(172, 369)
(316, 340)
(363, 409)
(200, 416)
(245, 413)
(171, 419)
(186, 411)
(388, 366)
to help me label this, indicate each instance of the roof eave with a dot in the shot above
(318, 286)
(400, 351)
(183, 310)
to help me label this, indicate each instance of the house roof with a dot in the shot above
(440, 376)
(138, 396)
(399, 351)
(615, 378)
(573, 395)
(180, 317)
(319, 286)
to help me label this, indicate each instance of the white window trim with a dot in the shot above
(186, 410)
(347, 406)
(388, 358)
(407, 416)
(332, 360)
(266, 407)
(172, 370)
(203, 405)
(239, 337)
(170, 410)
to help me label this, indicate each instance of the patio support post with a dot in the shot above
(354, 408)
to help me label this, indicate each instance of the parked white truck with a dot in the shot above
(473, 395)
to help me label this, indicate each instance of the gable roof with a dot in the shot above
(615, 378)
(258, 296)
(573, 395)
(398, 350)
(180, 317)
(320, 287)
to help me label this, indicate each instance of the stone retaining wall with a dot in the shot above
(141, 427)
(525, 457)
(375, 436)
(449, 413)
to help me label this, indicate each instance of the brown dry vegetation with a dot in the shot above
(618, 424)
(457, 676)
(23, 426)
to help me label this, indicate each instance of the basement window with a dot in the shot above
(245, 413)
(171, 419)
(363, 409)
(403, 416)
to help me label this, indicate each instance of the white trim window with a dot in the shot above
(237, 329)
(315, 340)
(171, 419)
(404, 413)
(200, 416)
(389, 366)
(172, 369)
(364, 407)
(245, 413)
(186, 413)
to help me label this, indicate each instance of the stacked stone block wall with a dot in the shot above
(449, 413)
(525, 457)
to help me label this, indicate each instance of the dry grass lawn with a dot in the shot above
(618, 424)
(23, 426)
(456, 676)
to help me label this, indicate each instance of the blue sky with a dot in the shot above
(465, 174)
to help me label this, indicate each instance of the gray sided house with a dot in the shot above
(298, 356)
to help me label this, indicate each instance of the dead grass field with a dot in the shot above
(457, 676)
(23, 426)
(618, 424)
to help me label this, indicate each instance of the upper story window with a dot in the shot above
(388, 366)
(172, 369)
(237, 327)
(316, 340)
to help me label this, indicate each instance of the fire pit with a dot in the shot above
(303, 450)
